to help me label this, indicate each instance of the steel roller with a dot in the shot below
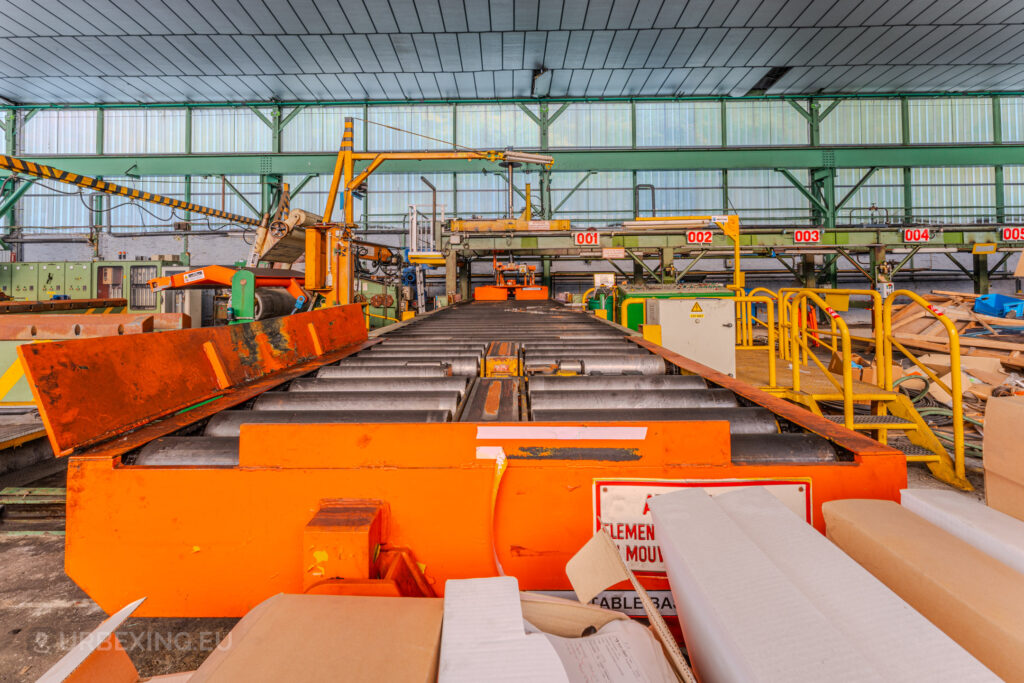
(604, 365)
(539, 383)
(741, 420)
(343, 400)
(228, 422)
(375, 352)
(380, 384)
(189, 451)
(781, 448)
(452, 366)
(560, 399)
(380, 370)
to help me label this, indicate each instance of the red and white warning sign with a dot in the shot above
(620, 508)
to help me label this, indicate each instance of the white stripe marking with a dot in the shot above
(564, 433)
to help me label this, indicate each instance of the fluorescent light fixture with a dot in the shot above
(527, 158)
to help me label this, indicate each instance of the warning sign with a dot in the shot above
(620, 508)
(696, 311)
(627, 602)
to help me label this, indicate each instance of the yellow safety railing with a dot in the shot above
(785, 322)
(955, 391)
(745, 320)
(798, 342)
(368, 315)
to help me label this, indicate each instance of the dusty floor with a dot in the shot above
(43, 613)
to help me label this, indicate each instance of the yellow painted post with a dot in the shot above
(652, 333)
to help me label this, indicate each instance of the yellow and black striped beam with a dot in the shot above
(50, 173)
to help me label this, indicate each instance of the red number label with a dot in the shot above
(586, 238)
(916, 235)
(698, 237)
(1013, 234)
(807, 236)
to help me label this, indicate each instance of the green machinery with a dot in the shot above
(628, 302)
(37, 280)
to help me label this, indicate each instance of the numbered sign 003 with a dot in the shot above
(809, 236)
(916, 235)
(698, 237)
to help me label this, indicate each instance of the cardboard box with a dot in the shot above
(1004, 455)
(975, 599)
(315, 637)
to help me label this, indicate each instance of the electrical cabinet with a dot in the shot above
(701, 328)
(5, 277)
(78, 280)
(50, 280)
(25, 281)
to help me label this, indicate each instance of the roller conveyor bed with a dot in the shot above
(568, 368)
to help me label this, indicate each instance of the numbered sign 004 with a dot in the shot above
(698, 237)
(916, 235)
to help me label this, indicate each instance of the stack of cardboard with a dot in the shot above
(1004, 455)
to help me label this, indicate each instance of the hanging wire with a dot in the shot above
(421, 135)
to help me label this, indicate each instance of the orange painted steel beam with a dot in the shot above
(59, 305)
(151, 377)
(29, 326)
(237, 538)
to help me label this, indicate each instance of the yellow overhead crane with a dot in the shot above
(330, 266)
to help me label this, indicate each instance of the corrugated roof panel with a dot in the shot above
(952, 195)
(678, 124)
(59, 132)
(229, 130)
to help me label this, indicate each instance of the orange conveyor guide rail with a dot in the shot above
(483, 438)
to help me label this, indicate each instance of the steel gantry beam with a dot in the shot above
(881, 156)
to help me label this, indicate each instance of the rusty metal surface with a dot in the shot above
(859, 444)
(59, 305)
(92, 390)
(35, 326)
(163, 322)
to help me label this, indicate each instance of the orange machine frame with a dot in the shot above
(466, 499)
(506, 284)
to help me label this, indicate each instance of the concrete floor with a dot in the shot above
(43, 613)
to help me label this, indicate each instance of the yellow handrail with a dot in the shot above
(795, 342)
(955, 391)
(747, 342)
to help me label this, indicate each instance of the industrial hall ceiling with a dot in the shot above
(88, 51)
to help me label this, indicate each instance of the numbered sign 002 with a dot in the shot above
(809, 236)
(698, 237)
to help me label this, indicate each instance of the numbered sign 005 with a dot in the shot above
(586, 238)
(698, 237)
(1013, 233)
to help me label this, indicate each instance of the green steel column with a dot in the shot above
(807, 275)
(980, 273)
(545, 270)
(814, 122)
(465, 272)
(908, 182)
(632, 127)
(243, 298)
(543, 124)
(270, 186)
(725, 191)
(723, 121)
(12, 132)
(186, 255)
(545, 193)
(188, 130)
(99, 131)
(12, 195)
(668, 271)
(997, 138)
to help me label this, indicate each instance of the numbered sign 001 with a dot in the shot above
(809, 236)
(698, 237)
(586, 238)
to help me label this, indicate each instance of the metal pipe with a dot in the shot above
(229, 422)
(611, 399)
(344, 400)
(380, 384)
(741, 420)
(377, 352)
(540, 383)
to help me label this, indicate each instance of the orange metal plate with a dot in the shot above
(59, 305)
(215, 542)
(121, 383)
(34, 326)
